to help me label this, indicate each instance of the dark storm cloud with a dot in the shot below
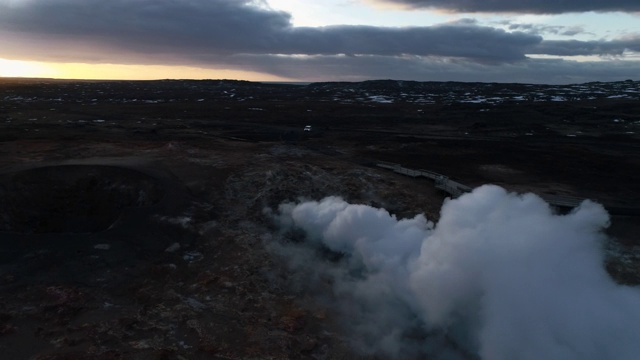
(225, 27)
(451, 40)
(585, 48)
(521, 6)
(547, 29)
(345, 68)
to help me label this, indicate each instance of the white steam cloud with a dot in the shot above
(500, 276)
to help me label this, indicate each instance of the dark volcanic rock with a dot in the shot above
(72, 198)
(133, 218)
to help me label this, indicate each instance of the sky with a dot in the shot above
(529, 41)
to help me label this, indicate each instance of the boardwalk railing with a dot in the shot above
(410, 172)
(561, 200)
(442, 182)
(456, 189)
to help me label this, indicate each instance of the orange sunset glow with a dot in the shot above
(34, 69)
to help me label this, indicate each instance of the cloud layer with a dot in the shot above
(241, 35)
(500, 275)
(217, 28)
(522, 6)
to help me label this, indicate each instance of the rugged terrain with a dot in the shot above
(133, 224)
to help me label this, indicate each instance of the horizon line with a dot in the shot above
(301, 83)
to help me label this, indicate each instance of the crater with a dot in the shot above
(72, 198)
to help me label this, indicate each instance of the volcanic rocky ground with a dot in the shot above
(132, 220)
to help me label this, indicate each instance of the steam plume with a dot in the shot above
(500, 276)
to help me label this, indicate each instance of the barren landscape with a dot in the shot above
(137, 223)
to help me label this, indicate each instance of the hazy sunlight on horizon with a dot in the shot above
(36, 69)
